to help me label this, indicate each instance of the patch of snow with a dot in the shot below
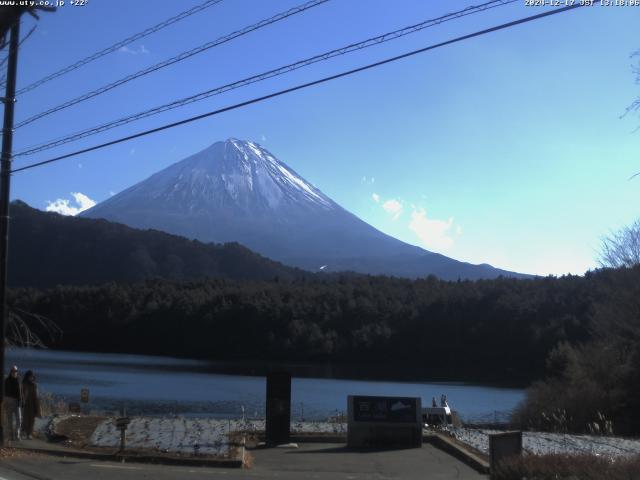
(302, 185)
(541, 443)
(178, 435)
(205, 436)
(255, 150)
(281, 177)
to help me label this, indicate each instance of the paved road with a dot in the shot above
(310, 461)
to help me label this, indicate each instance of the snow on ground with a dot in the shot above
(175, 435)
(207, 436)
(303, 427)
(41, 424)
(541, 443)
(203, 436)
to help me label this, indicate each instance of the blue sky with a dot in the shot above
(506, 149)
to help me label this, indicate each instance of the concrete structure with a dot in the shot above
(504, 445)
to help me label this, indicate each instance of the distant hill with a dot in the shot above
(47, 249)
(238, 191)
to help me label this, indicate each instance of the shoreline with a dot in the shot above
(366, 371)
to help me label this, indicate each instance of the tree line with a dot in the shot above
(488, 329)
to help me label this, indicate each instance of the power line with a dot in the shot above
(302, 86)
(120, 44)
(33, 29)
(178, 58)
(4, 60)
(263, 76)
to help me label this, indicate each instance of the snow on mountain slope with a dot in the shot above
(238, 191)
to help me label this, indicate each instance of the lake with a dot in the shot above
(164, 385)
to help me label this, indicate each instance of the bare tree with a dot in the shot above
(26, 329)
(621, 248)
(635, 106)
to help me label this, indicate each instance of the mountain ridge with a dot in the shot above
(47, 249)
(238, 191)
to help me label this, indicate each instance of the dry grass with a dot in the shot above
(574, 467)
(248, 460)
(50, 404)
(78, 430)
(10, 453)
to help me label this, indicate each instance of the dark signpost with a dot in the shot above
(384, 421)
(84, 395)
(122, 423)
(278, 423)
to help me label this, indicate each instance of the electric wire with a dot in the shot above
(178, 58)
(263, 76)
(120, 44)
(302, 86)
(4, 60)
(33, 29)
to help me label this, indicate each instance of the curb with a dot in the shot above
(312, 438)
(447, 445)
(318, 438)
(156, 459)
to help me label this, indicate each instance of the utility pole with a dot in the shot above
(9, 101)
(9, 18)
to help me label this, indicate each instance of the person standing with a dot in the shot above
(30, 402)
(12, 401)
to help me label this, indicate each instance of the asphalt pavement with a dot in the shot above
(310, 461)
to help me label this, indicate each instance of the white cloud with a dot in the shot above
(142, 50)
(394, 207)
(376, 197)
(112, 193)
(263, 138)
(63, 206)
(433, 233)
(368, 181)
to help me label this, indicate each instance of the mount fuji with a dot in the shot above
(237, 191)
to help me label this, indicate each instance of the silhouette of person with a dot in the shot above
(12, 402)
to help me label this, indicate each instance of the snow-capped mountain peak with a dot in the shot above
(263, 167)
(238, 175)
(237, 191)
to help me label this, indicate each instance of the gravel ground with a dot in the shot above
(541, 443)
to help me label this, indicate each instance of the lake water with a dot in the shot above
(164, 385)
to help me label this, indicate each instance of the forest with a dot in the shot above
(502, 328)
